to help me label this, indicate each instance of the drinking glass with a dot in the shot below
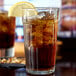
(40, 38)
(7, 34)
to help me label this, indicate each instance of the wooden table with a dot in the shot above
(62, 69)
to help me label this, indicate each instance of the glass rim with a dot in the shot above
(42, 8)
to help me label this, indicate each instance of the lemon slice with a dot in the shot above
(18, 9)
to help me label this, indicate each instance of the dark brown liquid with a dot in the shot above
(7, 30)
(40, 44)
(41, 58)
(6, 40)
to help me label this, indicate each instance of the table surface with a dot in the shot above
(62, 69)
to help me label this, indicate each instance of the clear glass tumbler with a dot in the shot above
(7, 34)
(40, 40)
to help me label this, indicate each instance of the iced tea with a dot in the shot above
(40, 43)
(7, 28)
(7, 32)
(40, 47)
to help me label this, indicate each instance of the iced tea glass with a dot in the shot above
(7, 34)
(40, 40)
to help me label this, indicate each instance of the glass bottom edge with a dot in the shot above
(7, 52)
(38, 72)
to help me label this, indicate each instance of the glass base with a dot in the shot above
(38, 72)
(9, 52)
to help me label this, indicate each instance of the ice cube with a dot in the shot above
(46, 15)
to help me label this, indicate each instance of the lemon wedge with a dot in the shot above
(18, 9)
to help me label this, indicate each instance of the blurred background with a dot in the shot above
(66, 36)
